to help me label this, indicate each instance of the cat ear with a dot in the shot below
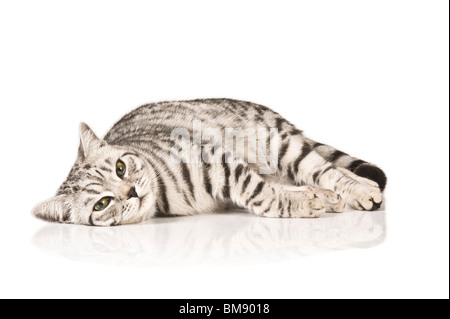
(54, 209)
(89, 142)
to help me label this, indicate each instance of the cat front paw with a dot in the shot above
(304, 203)
(333, 202)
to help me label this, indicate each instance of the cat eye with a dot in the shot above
(120, 169)
(102, 203)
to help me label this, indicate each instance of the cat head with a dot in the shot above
(108, 185)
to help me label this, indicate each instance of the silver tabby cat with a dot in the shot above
(131, 176)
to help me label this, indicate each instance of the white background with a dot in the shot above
(370, 77)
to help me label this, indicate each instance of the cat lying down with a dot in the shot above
(194, 157)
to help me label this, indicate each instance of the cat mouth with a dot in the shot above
(141, 201)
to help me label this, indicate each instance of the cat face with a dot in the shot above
(107, 186)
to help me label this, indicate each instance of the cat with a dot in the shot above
(141, 168)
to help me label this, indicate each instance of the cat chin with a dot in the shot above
(130, 221)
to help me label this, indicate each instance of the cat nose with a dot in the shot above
(132, 193)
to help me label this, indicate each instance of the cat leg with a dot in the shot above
(248, 189)
(302, 165)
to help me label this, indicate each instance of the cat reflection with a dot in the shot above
(223, 238)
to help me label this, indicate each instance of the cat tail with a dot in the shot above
(353, 164)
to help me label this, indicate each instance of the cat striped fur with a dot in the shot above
(132, 175)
